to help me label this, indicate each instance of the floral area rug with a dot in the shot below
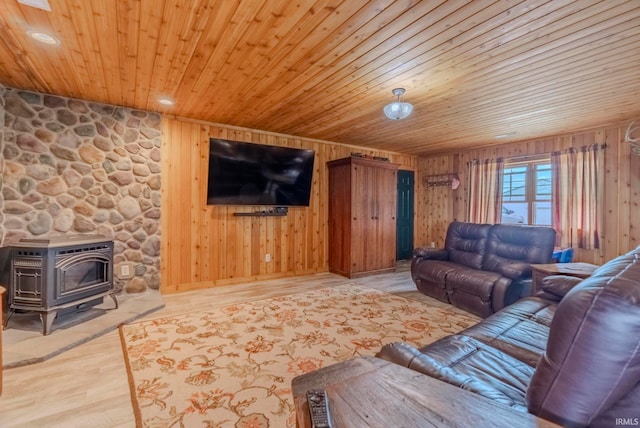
(233, 366)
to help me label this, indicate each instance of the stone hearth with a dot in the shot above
(23, 342)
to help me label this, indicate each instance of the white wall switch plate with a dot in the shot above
(124, 270)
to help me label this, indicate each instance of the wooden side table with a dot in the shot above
(578, 269)
(369, 391)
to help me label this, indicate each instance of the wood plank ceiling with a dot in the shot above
(325, 68)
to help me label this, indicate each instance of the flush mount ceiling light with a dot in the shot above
(166, 101)
(506, 135)
(45, 38)
(398, 110)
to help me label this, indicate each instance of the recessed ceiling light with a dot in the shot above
(166, 101)
(530, 113)
(40, 4)
(45, 38)
(506, 135)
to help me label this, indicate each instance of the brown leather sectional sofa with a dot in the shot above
(482, 267)
(570, 355)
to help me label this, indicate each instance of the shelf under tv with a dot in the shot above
(270, 213)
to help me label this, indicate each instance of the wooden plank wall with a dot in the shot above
(436, 207)
(205, 246)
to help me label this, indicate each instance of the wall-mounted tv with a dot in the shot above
(258, 174)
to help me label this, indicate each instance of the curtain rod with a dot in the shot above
(596, 146)
(539, 155)
(528, 157)
(500, 159)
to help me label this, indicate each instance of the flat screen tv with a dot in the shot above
(258, 174)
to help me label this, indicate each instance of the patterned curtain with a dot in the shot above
(485, 191)
(577, 196)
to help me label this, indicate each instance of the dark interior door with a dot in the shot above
(404, 220)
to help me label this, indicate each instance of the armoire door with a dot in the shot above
(364, 182)
(340, 223)
(386, 218)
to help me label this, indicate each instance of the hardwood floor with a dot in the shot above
(87, 386)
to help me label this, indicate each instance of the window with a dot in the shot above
(526, 192)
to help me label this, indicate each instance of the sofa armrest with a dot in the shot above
(398, 353)
(516, 271)
(431, 253)
(556, 287)
(406, 355)
(505, 292)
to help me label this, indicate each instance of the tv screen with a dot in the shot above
(257, 174)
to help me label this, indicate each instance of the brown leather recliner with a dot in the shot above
(570, 355)
(590, 371)
(482, 267)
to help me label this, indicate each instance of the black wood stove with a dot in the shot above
(60, 274)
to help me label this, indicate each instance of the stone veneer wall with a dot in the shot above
(76, 167)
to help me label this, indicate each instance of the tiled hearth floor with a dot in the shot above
(23, 342)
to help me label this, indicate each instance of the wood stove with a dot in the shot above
(60, 274)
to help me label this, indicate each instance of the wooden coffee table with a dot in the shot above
(371, 392)
(578, 269)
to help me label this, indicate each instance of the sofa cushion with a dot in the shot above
(472, 290)
(475, 282)
(466, 243)
(437, 271)
(520, 330)
(512, 249)
(430, 278)
(469, 364)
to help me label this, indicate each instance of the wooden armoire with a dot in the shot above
(362, 216)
